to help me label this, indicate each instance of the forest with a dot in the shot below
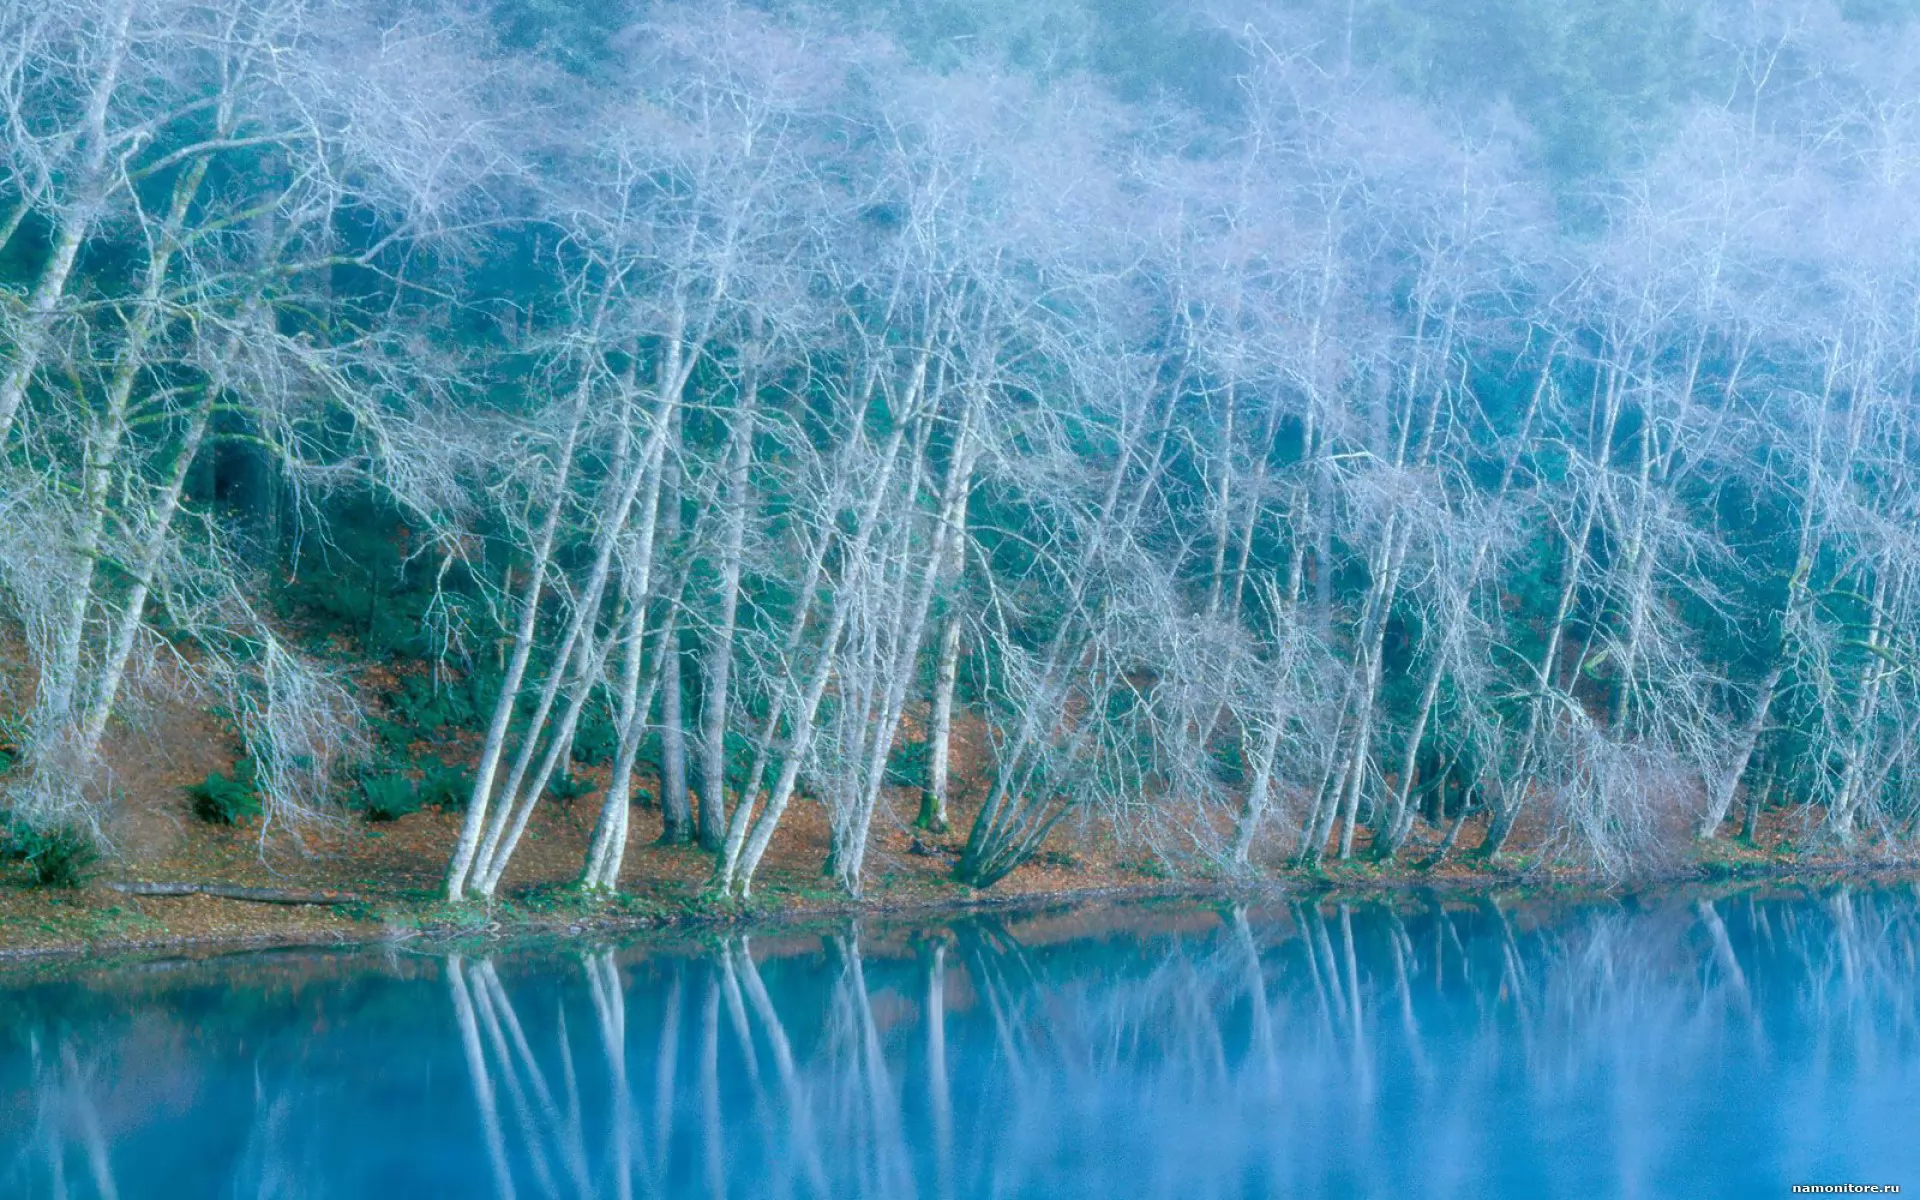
(1267, 432)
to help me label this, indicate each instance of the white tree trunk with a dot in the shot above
(523, 637)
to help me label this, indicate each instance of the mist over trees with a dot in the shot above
(1288, 431)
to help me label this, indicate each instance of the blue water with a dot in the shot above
(1654, 1047)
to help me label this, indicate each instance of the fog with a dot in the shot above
(1279, 432)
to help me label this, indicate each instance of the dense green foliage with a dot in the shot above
(57, 856)
(223, 799)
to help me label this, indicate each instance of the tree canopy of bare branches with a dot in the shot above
(1318, 472)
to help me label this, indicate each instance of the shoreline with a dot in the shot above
(539, 912)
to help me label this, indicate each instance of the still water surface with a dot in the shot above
(1684, 1044)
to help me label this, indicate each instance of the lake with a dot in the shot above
(1660, 1045)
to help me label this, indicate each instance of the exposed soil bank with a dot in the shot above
(382, 882)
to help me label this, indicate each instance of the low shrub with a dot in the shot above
(59, 856)
(221, 799)
(426, 704)
(389, 797)
(569, 787)
(596, 738)
(444, 788)
(395, 738)
(910, 766)
(388, 793)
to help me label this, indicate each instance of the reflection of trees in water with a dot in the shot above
(88, 1088)
(66, 1120)
(1323, 1049)
(1311, 1050)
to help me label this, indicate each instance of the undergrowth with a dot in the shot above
(59, 856)
(388, 795)
(222, 799)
